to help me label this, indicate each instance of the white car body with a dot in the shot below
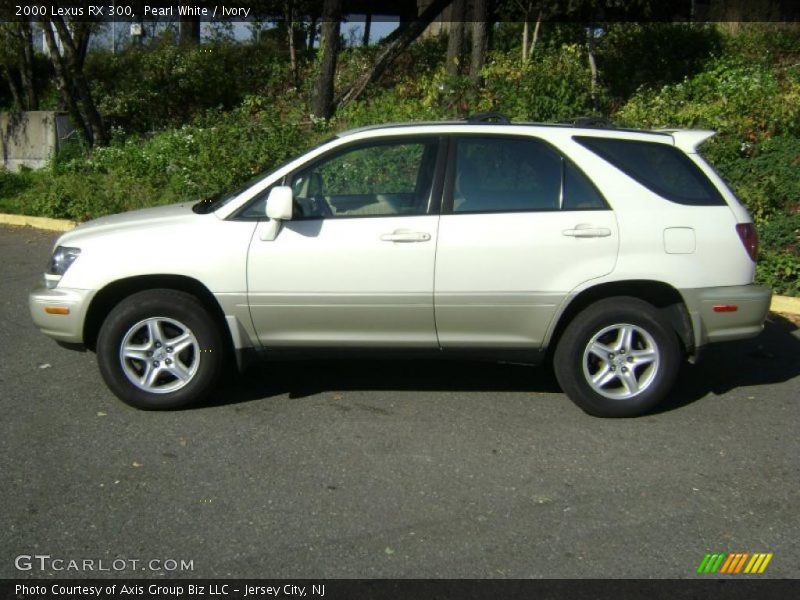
(496, 281)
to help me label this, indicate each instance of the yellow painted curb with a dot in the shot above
(37, 222)
(785, 304)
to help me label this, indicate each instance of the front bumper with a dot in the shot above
(751, 302)
(62, 327)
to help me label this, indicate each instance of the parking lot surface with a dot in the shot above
(395, 469)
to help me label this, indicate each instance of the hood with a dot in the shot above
(159, 216)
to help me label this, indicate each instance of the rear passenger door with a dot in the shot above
(521, 227)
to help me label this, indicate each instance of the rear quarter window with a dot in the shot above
(661, 168)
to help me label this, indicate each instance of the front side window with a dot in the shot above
(517, 175)
(381, 179)
(661, 168)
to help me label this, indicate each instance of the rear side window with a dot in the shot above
(662, 169)
(496, 174)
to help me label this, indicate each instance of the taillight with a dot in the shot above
(747, 233)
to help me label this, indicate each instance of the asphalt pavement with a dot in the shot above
(395, 469)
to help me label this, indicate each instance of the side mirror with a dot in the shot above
(279, 203)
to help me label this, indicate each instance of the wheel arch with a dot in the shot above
(661, 295)
(112, 294)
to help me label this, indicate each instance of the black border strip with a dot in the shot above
(562, 11)
(712, 588)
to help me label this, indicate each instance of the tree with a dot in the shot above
(322, 105)
(189, 30)
(16, 57)
(480, 40)
(393, 46)
(67, 58)
(288, 15)
(455, 38)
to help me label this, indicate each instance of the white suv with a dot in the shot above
(615, 252)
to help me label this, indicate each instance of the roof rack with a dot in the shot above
(591, 121)
(489, 117)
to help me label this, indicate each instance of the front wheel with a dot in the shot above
(160, 349)
(617, 358)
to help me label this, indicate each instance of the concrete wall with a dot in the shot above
(31, 138)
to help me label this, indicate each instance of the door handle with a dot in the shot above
(585, 230)
(406, 236)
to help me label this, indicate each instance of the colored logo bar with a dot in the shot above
(734, 563)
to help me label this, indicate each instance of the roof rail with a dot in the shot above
(591, 121)
(489, 117)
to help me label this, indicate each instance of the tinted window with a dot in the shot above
(374, 180)
(512, 174)
(579, 193)
(493, 174)
(661, 168)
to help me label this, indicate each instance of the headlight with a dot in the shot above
(61, 260)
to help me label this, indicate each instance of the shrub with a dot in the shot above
(214, 154)
(161, 84)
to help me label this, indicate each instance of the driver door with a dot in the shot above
(355, 265)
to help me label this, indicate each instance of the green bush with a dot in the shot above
(214, 154)
(652, 55)
(12, 186)
(751, 101)
(780, 271)
(163, 85)
(554, 86)
(765, 175)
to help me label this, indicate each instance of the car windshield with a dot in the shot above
(217, 201)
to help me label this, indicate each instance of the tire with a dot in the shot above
(617, 358)
(160, 349)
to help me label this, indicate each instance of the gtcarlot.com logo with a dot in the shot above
(46, 562)
(734, 563)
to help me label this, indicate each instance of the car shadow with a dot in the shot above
(770, 358)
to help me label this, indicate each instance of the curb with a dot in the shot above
(779, 304)
(785, 304)
(37, 222)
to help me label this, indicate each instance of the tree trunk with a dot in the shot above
(592, 66)
(189, 31)
(322, 103)
(83, 32)
(455, 38)
(289, 16)
(76, 72)
(367, 27)
(535, 37)
(26, 67)
(312, 33)
(64, 83)
(479, 41)
(525, 29)
(16, 94)
(400, 40)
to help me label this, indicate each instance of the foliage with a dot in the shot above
(217, 114)
(751, 101)
(11, 188)
(765, 175)
(652, 55)
(779, 261)
(162, 85)
(554, 86)
(212, 155)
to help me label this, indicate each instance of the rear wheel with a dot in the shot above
(617, 358)
(160, 349)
